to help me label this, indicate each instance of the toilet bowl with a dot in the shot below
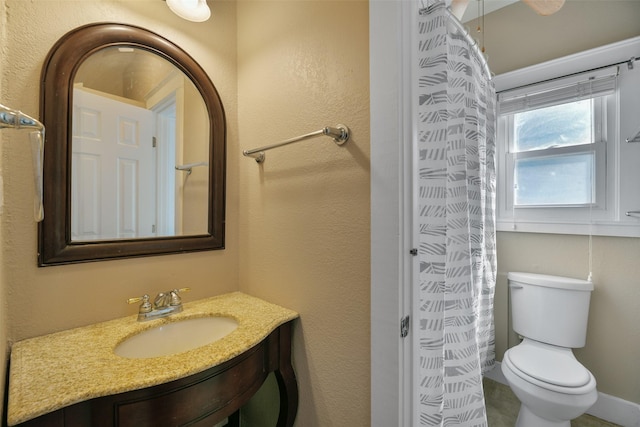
(550, 313)
(551, 384)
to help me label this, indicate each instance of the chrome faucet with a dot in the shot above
(164, 304)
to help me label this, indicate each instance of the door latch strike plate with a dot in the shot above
(404, 326)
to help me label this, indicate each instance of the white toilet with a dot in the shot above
(551, 314)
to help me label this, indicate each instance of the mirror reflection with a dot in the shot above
(140, 149)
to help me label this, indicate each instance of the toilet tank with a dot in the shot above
(550, 309)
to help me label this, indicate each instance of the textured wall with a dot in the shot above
(304, 225)
(303, 239)
(43, 300)
(517, 37)
(4, 326)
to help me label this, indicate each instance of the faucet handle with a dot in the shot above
(145, 307)
(175, 297)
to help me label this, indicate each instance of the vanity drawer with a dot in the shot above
(199, 399)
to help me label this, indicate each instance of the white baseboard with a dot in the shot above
(616, 410)
(607, 407)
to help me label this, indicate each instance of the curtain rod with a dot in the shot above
(629, 63)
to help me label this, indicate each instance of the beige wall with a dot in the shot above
(43, 300)
(516, 37)
(4, 326)
(297, 227)
(195, 185)
(304, 223)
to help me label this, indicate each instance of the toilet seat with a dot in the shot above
(552, 365)
(549, 367)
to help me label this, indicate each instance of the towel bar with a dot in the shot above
(340, 135)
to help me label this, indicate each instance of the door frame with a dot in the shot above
(391, 25)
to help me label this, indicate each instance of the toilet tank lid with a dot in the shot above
(551, 281)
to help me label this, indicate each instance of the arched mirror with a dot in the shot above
(134, 151)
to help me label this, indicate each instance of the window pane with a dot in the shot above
(558, 126)
(560, 180)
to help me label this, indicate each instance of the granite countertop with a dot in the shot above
(57, 370)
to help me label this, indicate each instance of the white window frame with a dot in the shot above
(614, 171)
(604, 172)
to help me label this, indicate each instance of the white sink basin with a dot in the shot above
(176, 337)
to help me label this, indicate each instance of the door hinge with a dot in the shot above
(413, 252)
(153, 228)
(154, 142)
(404, 326)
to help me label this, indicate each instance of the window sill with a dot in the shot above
(629, 228)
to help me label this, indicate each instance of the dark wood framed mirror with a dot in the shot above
(135, 148)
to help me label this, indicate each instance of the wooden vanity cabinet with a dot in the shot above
(201, 399)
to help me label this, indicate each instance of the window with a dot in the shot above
(563, 165)
(554, 139)
(554, 154)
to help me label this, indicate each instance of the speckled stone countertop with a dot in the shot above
(57, 370)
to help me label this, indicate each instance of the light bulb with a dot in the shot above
(191, 10)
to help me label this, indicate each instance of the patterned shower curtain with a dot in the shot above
(456, 220)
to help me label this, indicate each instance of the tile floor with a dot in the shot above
(503, 407)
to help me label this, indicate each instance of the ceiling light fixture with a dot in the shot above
(191, 10)
(545, 7)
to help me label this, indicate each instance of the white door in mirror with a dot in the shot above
(113, 167)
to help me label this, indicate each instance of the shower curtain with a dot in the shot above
(456, 221)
